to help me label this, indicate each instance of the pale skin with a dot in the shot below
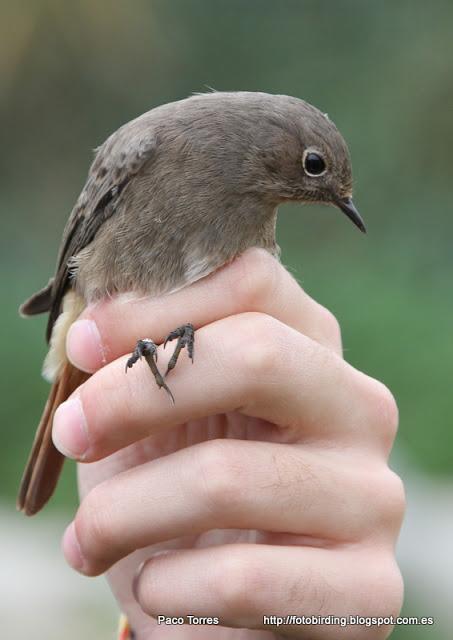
(267, 482)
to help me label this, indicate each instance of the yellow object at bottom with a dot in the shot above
(124, 630)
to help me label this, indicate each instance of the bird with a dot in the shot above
(170, 197)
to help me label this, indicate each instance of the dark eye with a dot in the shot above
(314, 164)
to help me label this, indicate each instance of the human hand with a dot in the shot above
(267, 482)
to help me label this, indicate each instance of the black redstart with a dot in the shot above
(170, 197)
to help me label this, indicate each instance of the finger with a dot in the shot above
(232, 484)
(251, 363)
(254, 282)
(241, 584)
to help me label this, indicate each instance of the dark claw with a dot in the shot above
(144, 348)
(148, 350)
(177, 333)
(186, 338)
(164, 386)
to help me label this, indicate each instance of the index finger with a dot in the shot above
(253, 282)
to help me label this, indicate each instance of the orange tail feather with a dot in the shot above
(45, 462)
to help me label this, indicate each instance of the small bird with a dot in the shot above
(170, 197)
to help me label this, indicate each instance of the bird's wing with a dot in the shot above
(117, 161)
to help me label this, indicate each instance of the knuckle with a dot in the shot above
(383, 591)
(384, 502)
(383, 410)
(220, 473)
(256, 281)
(393, 592)
(330, 324)
(261, 353)
(393, 499)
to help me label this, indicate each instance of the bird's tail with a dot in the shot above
(45, 462)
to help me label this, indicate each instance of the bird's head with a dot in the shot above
(301, 154)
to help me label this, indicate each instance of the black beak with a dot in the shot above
(347, 206)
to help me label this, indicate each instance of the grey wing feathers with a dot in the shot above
(121, 157)
(39, 302)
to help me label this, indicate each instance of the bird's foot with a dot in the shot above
(186, 338)
(147, 349)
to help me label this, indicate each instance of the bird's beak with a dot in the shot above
(347, 206)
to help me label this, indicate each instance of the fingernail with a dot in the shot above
(84, 346)
(71, 548)
(69, 432)
(136, 578)
(139, 570)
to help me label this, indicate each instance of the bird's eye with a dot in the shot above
(314, 164)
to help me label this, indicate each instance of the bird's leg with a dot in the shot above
(147, 349)
(186, 338)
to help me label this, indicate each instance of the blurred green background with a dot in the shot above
(71, 73)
